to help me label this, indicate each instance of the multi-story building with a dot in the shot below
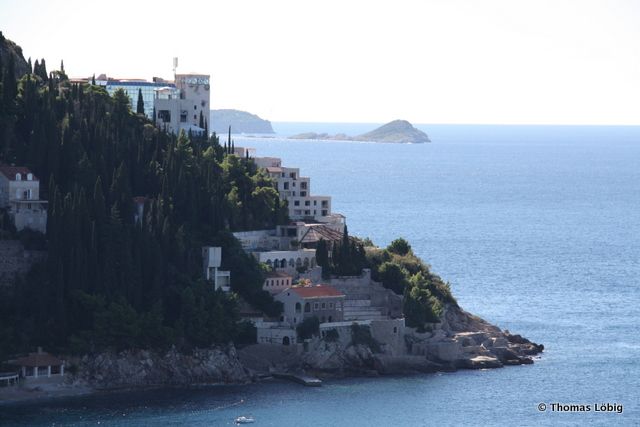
(185, 105)
(131, 88)
(20, 194)
(296, 190)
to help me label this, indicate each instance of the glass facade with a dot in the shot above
(131, 89)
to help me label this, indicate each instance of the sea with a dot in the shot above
(537, 230)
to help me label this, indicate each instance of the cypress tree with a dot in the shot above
(29, 65)
(93, 79)
(229, 140)
(201, 123)
(140, 105)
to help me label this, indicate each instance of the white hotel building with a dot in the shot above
(296, 190)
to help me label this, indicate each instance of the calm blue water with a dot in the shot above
(536, 228)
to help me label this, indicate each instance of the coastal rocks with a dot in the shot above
(465, 341)
(142, 368)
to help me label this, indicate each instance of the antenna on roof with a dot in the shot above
(175, 65)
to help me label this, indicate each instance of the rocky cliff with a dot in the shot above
(141, 368)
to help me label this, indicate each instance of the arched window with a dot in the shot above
(292, 263)
(283, 263)
(298, 307)
(298, 262)
(307, 307)
(29, 177)
(269, 263)
(18, 177)
(306, 262)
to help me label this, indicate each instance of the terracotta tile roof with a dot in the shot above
(317, 232)
(37, 359)
(317, 291)
(11, 171)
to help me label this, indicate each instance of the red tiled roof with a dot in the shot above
(317, 291)
(37, 359)
(11, 171)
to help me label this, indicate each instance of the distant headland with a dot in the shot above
(397, 131)
(240, 122)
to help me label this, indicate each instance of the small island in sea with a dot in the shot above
(397, 132)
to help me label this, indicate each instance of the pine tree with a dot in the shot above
(140, 105)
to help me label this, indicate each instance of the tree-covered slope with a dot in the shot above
(110, 280)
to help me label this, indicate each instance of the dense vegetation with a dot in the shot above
(111, 278)
(425, 293)
(347, 258)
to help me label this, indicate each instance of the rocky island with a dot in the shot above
(397, 131)
(240, 122)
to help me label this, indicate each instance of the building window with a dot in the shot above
(303, 193)
(296, 203)
(316, 306)
(324, 305)
(286, 185)
(195, 107)
(183, 117)
(298, 307)
(324, 212)
(307, 203)
(331, 305)
(307, 307)
(164, 116)
(18, 177)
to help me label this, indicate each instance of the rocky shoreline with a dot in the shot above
(460, 341)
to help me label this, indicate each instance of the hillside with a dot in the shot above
(119, 274)
(240, 122)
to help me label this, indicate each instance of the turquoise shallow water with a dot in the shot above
(536, 228)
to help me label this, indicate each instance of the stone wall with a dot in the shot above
(16, 261)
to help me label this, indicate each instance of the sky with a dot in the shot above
(429, 61)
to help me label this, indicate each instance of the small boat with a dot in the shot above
(245, 420)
